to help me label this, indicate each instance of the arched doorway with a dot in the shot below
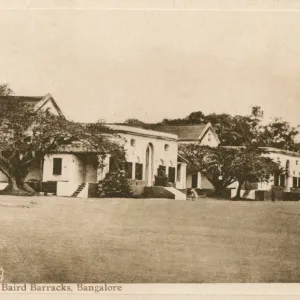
(149, 165)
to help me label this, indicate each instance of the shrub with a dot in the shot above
(161, 179)
(115, 184)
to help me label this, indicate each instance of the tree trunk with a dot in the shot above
(218, 189)
(238, 192)
(14, 188)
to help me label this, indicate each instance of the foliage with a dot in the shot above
(25, 136)
(5, 90)
(279, 134)
(115, 184)
(245, 130)
(222, 166)
(161, 179)
(133, 121)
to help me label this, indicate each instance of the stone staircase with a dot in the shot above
(80, 188)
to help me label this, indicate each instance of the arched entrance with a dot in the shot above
(149, 165)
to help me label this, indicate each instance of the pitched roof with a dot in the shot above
(149, 132)
(34, 102)
(184, 132)
(29, 100)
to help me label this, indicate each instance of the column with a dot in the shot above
(133, 171)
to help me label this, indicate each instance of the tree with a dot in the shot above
(25, 136)
(115, 184)
(214, 163)
(279, 134)
(222, 166)
(252, 166)
(133, 121)
(238, 130)
(5, 90)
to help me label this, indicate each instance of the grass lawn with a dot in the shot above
(148, 241)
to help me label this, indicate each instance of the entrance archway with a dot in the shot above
(149, 165)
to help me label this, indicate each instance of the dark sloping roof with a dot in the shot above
(184, 132)
(30, 101)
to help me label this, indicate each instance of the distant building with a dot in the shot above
(203, 134)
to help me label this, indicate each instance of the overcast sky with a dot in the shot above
(150, 65)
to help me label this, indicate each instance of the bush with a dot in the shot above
(115, 184)
(161, 179)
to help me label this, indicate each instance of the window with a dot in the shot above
(132, 142)
(138, 171)
(297, 162)
(113, 164)
(282, 180)
(209, 137)
(57, 166)
(295, 182)
(172, 174)
(166, 147)
(162, 169)
(128, 170)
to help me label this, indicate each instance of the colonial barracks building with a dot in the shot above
(74, 171)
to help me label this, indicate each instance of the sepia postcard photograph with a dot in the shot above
(149, 142)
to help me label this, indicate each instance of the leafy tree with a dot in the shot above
(251, 166)
(279, 134)
(214, 163)
(133, 121)
(222, 166)
(5, 90)
(25, 136)
(115, 184)
(238, 130)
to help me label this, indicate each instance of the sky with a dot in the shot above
(162, 60)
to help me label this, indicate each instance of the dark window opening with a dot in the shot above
(282, 180)
(172, 172)
(276, 180)
(194, 181)
(295, 182)
(57, 166)
(162, 168)
(113, 164)
(139, 171)
(128, 170)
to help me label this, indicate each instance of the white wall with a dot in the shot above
(72, 169)
(137, 153)
(209, 139)
(294, 168)
(50, 107)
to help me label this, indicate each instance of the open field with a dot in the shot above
(137, 240)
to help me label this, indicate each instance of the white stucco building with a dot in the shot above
(290, 162)
(203, 134)
(74, 170)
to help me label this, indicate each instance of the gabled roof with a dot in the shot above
(30, 101)
(186, 132)
(34, 102)
(142, 132)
